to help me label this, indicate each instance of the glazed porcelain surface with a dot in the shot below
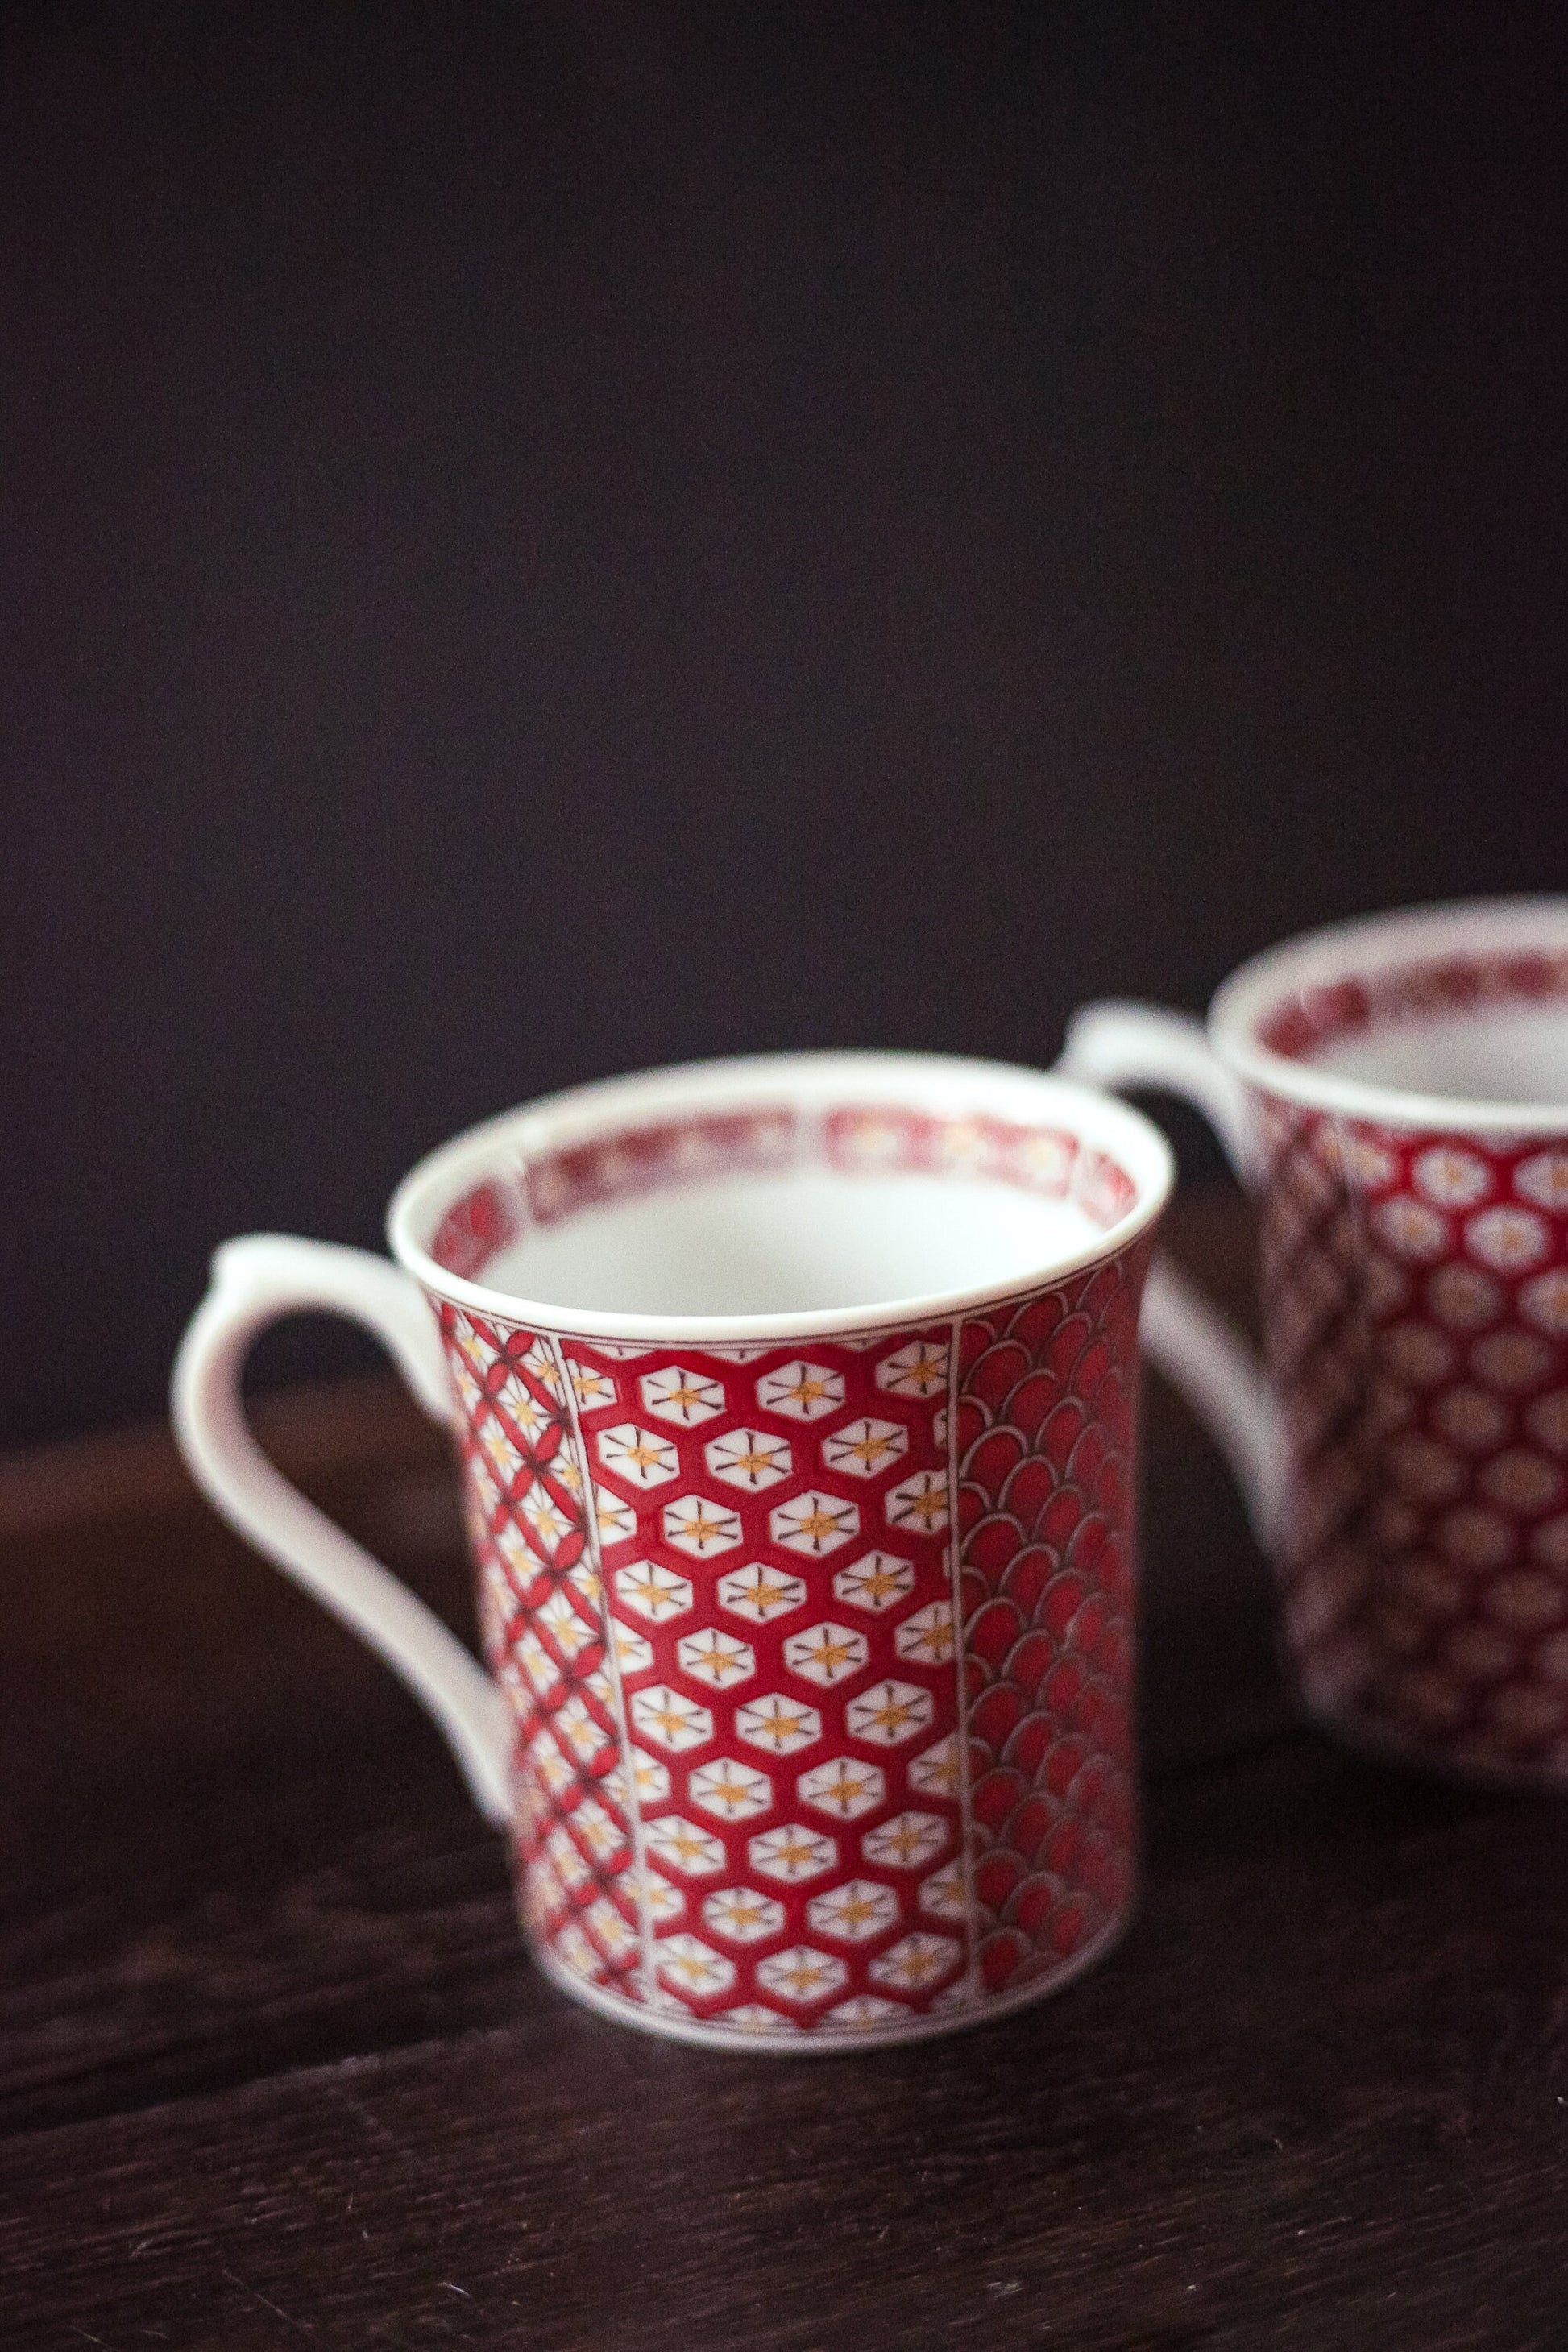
(1399, 1106)
(794, 1403)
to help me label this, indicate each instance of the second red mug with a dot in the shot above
(1394, 1093)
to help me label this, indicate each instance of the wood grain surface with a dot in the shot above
(274, 2069)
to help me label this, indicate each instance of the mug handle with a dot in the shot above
(1197, 1347)
(254, 1281)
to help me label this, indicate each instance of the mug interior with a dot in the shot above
(1458, 1013)
(817, 1186)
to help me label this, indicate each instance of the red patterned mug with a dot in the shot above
(794, 1398)
(1394, 1092)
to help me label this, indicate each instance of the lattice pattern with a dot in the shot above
(1415, 1291)
(541, 1612)
(752, 1814)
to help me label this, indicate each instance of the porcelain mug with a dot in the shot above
(794, 1401)
(1393, 1091)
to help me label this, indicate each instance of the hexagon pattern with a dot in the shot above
(785, 1483)
(1415, 1296)
(763, 1782)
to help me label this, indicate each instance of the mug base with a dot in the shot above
(834, 2042)
(1382, 1746)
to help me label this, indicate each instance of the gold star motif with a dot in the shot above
(801, 1977)
(709, 1651)
(846, 1789)
(793, 1855)
(892, 1715)
(686, 1844)
(830, 1655)
(915, 1967)
(702, 1529)
(878, 1583)
(931, 1504)
(741, 1912)
(941, 1774)
(851, 1911)
(766, 1596)
(780, 1724)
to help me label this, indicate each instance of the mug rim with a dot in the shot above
(580, 1114)
(1323, 958)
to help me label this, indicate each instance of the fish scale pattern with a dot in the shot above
(819, 1654)
(761, 1786)
(1045, 1423)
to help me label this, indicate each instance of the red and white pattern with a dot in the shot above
(1045, 1429)
(762, 1789)
(1401, 995)
(548, 1638)
(853, 1138)
(1415, 1296)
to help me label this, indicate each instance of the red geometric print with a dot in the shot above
(1404, 993)
(749, 1810)
(1415, 1290)
(1051, 1162)
(773, 1532)
(1045, 1437)
(855, 1139)
(541, 1613)
(759, 1790)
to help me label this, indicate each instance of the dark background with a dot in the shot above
(537, 541)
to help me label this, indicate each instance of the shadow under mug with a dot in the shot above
(1393, 1093)
(794, 1401)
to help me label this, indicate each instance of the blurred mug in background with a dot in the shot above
(1393, 1092)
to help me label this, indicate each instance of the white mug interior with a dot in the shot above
(816, 1190)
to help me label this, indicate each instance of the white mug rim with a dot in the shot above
(578, 1113)
(1341, 951)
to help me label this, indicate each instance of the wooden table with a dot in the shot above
(274, 2071)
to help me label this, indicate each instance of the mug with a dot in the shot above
(794, 1398)
(1393, 1092)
